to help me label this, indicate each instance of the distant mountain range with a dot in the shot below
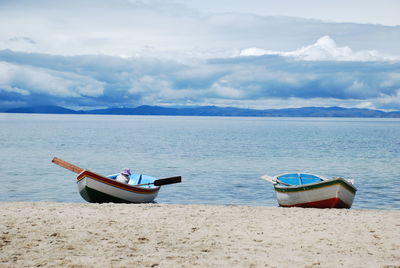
(216, 111)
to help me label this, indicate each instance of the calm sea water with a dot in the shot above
(220, 159)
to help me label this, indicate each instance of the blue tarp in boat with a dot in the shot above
(298, 178)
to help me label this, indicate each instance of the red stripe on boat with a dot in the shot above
(327, 203)
(127, 187)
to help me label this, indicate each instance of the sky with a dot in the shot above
(257, 54)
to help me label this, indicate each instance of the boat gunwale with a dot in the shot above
(116, 184)
(316, 185)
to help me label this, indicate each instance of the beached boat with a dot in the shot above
(309, 190)
(96, 188)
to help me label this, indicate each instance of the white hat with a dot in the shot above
(126, 171)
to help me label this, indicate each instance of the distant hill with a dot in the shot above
(217, 111)
(43, 110)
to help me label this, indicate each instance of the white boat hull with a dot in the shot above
(334, 193)
(99, 189)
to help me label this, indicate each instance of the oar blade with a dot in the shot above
(165, 181)
(67, 165)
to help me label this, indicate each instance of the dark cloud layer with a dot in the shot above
(106, 81)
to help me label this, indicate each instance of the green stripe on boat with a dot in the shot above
(315, 186)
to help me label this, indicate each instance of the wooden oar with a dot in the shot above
(67, 165)
(163, 181)
(273, 180)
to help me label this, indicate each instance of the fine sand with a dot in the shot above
(159, 235)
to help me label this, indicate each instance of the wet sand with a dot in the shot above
(159, 235)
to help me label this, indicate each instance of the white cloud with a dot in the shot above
(226, 91)
(27, 80)
(386, 102)
(7, 88)
(325, 49)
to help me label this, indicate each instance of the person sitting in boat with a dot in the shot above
(124, 176)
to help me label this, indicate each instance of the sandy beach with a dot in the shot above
(159, 235)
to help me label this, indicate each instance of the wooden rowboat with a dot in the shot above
(309, 190)
(96, 188)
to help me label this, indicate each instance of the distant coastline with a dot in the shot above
(216, 111)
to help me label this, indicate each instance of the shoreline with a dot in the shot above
(49, 234)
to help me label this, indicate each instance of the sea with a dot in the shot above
(220, 159)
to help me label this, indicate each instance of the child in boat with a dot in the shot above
(124, 176)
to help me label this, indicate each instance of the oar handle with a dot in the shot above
(165, 181)
(268, 178)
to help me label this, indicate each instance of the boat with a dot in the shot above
(96, 188)
(312, 191)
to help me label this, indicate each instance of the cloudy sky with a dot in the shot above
(251, 54)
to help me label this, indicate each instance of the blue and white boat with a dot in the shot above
(96, 188)
(310, 190)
